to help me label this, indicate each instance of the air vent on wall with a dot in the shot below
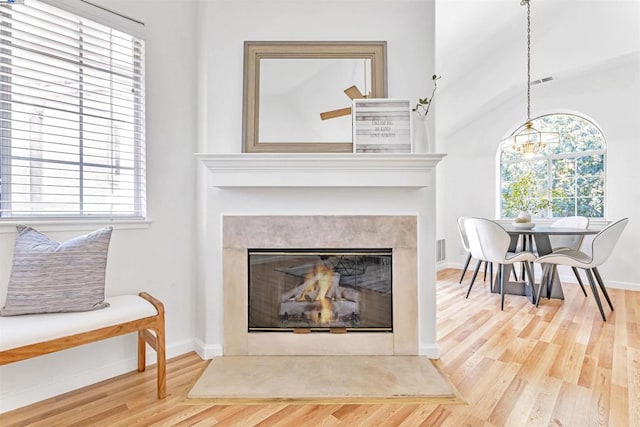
(542, 80)
(440, 250)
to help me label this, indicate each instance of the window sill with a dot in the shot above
(9, 225)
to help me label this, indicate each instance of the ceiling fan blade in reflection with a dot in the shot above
(353, 93)
(335, 113)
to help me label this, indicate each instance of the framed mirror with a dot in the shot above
(287, 85)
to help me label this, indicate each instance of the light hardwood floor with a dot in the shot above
(557, 365)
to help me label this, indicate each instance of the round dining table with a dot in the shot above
(540, 234)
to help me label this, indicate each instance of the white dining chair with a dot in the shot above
(569, 241)
(490, 241)
(601, 247)
(465, 245)
(572, 242)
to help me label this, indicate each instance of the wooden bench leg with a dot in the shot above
(161, 364)
(142, 352)
(157, 342)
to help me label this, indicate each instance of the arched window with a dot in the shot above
(570, 174)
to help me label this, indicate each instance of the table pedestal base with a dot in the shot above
(523, 288)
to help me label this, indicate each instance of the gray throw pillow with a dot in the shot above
(52, 277)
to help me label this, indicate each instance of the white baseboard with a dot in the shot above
(49, 386)
(442, 265)
(207, 351)
(432, 351)
(567, 277)
(613, 284)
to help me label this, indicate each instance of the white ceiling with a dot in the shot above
(481, 47)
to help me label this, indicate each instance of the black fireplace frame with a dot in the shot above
(321, 252)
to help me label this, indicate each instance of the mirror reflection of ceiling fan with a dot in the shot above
(353, 93)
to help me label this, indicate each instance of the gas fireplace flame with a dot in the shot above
(319, 287)
(320, 300)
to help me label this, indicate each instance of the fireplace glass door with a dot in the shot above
(320, 290)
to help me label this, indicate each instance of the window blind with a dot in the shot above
(72, 120)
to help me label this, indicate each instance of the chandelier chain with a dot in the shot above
(528, 61)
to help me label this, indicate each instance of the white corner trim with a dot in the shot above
(207, 351)
(432, 351)
(320, 169)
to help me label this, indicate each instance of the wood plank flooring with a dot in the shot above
(557, 365)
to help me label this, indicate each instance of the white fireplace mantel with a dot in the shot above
(320, 169)
(313, 187)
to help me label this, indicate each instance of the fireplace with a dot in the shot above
(316, 200)
(320, 290)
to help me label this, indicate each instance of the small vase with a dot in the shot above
(523, 220)
(421, 139)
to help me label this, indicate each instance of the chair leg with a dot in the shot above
(490, 275)
(604, 290)
(532, 279)
(503, 272)
(575, 271)
(546, 268)
(595, 293)
(551, 278)
(515, 275)
(484, 278)
(473, 278)
(466, 265)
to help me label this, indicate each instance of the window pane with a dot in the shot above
(576, 184)
(591, 165)
(562, 207)
(590, 187)
(576, 133)
(591, 207)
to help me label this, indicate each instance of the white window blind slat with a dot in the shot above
(68, 74)
(71, 114)
(118, 64)
(118, 92)
(125, 24)
(127, 172)
(69, 105)
(66, 24)
(58, 116)
(56, 39)
(54, 89)
(92, 139)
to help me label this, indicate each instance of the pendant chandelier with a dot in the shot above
(530, 141)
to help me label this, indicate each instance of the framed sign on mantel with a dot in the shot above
(382, 126)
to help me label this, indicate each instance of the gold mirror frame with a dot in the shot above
(255, 51)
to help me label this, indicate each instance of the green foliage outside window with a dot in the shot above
(569, 176)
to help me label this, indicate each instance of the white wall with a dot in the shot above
(406, 25)
(160, 258)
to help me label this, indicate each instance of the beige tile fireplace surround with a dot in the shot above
(315, 200)
(341, 232)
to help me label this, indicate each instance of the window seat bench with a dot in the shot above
(26, 336)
